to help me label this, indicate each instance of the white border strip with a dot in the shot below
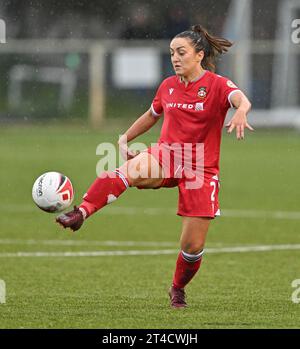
(238, 249)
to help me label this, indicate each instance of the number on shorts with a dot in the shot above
(214, 185)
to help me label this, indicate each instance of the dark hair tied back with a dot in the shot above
(211, 45)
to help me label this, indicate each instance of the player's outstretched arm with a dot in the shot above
(239, 119)
(140, 126)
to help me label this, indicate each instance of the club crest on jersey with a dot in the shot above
(202, 93)
(231, 84)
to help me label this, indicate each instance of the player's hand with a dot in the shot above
(126, 153)
(239, 122)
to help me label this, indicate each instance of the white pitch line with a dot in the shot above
(86, 243)
(237, 249)
(87, 253)
(261, 214)
(259, 248)
(154, 211)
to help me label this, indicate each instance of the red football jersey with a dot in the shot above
(195, 113)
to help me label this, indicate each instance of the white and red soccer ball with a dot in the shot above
(53, 192)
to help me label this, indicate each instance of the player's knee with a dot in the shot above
(137, 171)
(193, 248)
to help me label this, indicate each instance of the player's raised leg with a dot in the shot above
(194, 231)
(143, 170)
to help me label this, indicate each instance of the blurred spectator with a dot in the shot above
(176, 21)
(139, 26)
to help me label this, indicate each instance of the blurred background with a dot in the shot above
(75, 74)
(97, 61)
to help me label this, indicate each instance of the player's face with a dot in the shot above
(185, 60)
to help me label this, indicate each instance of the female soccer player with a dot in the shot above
(194, 103)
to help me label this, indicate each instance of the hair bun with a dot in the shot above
(197, 28)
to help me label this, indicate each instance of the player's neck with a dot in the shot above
(194, 76)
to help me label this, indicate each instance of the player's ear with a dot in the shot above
(200, 56)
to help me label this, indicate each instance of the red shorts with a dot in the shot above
(198, 197)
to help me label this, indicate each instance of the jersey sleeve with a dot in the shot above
(227, 89)
(156, 106)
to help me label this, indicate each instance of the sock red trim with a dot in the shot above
(185, 271)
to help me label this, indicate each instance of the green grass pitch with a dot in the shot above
(259, 184)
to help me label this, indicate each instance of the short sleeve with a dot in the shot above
(227, 89)
(156, 106)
